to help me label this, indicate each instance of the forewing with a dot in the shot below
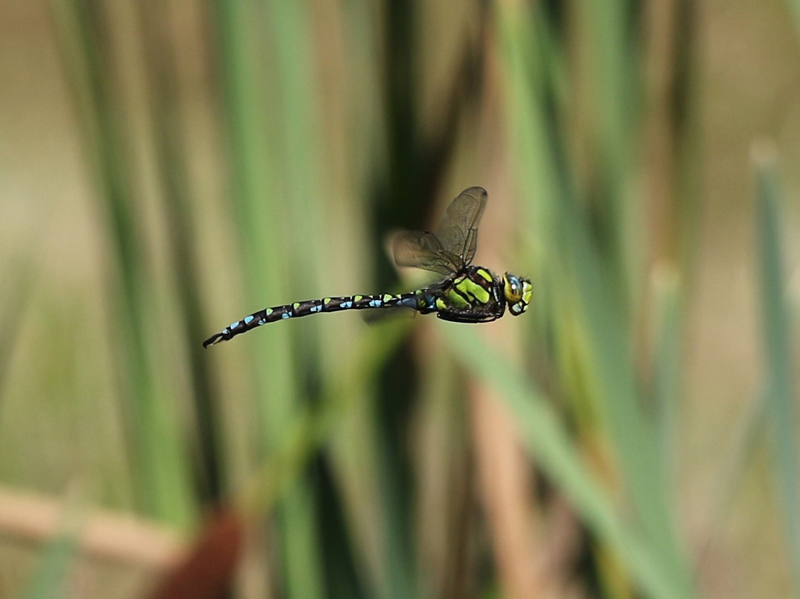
(421, 249)
(458, 233)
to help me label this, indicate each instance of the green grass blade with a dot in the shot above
(667, 364)
(743, 444)
(85, 36)
(312, 428)
(548, 442)
(255, 199)
(49, 577)
(780, 384)
(590, 286)
(18, 282)
(794, 7)
(168, 139)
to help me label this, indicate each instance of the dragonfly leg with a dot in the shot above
(466, 318)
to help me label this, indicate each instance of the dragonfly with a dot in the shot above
(468, 293)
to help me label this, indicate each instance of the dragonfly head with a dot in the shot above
(518, 293)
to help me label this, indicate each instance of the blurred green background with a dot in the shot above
(168, 167)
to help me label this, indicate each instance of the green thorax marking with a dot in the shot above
(485, 274)
(456, 299)
(471, 289)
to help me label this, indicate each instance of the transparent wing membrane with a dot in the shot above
(458, 232)
(421, 249)
(453, 245)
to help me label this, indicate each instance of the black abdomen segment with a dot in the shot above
(421, 301)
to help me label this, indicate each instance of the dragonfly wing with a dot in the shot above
(458, 232)
(422, 249)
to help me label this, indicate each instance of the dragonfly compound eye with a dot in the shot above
(512, 288)
(518, 293)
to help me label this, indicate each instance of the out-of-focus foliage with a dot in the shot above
(228, 155)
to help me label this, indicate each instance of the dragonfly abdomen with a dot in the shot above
(415, 301)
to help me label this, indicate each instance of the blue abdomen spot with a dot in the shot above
(248, 319)
(234, 325)
(409, 302)
(286, 315)
(347, 304)
(376, 303)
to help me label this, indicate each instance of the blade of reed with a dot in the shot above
(313, 426)
(305, 211)
(780, 383)
(612, 375)
(667, 362)
(168, 137)
(18, 282)
(598, 316)
(337, 542)
(610, 367)
(305, 205)
(159, 464)
(419, 160)
(549, 444)
(794, 6)
(49, 577)
(261, 223)
(301, 134)
(743, 444)
(612, 76)
(401, 196)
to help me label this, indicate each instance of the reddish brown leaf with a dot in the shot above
(207, 572)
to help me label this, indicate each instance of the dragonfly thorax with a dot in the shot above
(473, 294)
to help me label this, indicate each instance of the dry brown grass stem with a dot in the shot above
(33, 520)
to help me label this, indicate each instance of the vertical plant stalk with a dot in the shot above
(506, 488)
(600, 306)
(18, 281)
(743, 443)
(417, 164)
(659, 127)
(248, 87)
(547, 441)
(84, 35)
(794, 6)
(611, 53)
(666, 379)
(670, 130)
(780, 382)
(169, 137)
(49, 578)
